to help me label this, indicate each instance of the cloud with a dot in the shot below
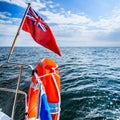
(23, 3)
(68, 26)
(108, 23)
(5, 18)
(7, 35)
(78, 27)
(66, 18)
(4, 15)
(16, 2)
(113, 36)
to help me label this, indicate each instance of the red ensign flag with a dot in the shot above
(40, 31)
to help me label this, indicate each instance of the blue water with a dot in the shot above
(90, 81)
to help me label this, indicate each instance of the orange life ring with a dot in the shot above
(47, 71)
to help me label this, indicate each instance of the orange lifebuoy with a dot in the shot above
(47, 71)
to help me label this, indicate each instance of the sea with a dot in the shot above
(90, 80)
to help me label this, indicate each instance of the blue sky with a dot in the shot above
(73, 22)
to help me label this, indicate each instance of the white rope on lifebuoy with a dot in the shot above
(53, 68)
(58, 95)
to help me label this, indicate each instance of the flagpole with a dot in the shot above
(18, 32)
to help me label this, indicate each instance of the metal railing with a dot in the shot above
(16, 91)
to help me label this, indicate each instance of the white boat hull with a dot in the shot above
(3, 116)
